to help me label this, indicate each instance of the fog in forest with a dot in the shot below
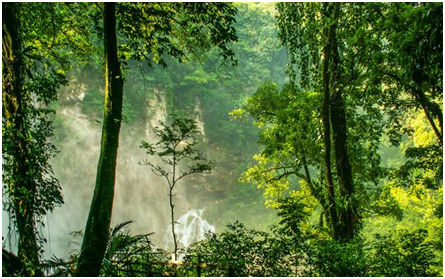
(322, 124)
(140, 195)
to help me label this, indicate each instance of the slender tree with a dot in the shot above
(176, 146)
(99, 218)
(151, 31)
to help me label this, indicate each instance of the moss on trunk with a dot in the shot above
(97, 228)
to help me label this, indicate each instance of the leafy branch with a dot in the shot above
(177, 144)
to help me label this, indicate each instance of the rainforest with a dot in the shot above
(222, 139)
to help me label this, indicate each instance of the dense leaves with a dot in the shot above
(175, 29)
(350, 144)
(255, 253)
(32, 74)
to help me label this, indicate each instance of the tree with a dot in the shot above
(99, 218)
(163, 29)
(316, 64)
(31, 76)
(329, 80)
(333, 100)
(13, 110)
(412, 72)
(334, 103)
(177, 144)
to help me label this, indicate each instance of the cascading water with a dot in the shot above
(190, 228)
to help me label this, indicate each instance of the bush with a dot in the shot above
(256, 253)
(249, 252)
(406, 254)
(330, 258)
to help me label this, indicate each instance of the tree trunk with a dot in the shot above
(12, 266)
(431, 110)
(172, 211)
(22, 188)
(172, 208)
(327, 137)
(339, 131)
(97, 228)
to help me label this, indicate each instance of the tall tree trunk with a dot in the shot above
(22, 188)
(339, 131)
(97, 228)
(327, 137)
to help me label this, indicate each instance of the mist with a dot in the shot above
(140, 195)
(208, 91)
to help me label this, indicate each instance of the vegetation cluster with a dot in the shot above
(329, 114)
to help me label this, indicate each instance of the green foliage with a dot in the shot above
(400, 254)
(330, 259)
(398, 76)
(293, 214)
(387, 205)
(255, 253)
(412, 192)
(290, 131)
(177, 144)
(287, 133)
(175, 29)
(406, 254)
(126, 255)
(249, 252)
(31, 77)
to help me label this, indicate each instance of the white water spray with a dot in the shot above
(190, 228)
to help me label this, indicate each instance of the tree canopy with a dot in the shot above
(322, 124)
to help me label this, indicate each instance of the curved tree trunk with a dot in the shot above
(97, 228)
(22, 188)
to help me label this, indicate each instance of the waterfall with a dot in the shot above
(190, 228)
